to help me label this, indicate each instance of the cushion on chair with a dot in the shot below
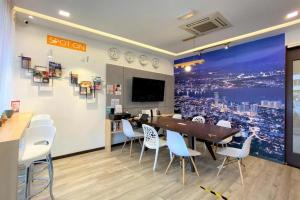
(194, 152)
(229, 151)
(162, 143)
(225, 141)
(138, 134)
(33, 153)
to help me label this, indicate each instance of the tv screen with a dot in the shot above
(144, 90)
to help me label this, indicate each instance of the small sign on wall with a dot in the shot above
(65, 43)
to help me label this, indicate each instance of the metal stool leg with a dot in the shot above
(51, 173)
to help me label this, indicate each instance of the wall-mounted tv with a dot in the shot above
(147, 90)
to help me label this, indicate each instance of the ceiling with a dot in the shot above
(155, 22)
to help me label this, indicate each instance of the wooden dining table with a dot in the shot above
(208, 133)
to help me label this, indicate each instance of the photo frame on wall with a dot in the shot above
(15, 105)
(55, 70)
(97, 83)
(85, 88)
(40, 74)
(26, 63)
(74, 78)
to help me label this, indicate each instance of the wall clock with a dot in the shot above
(129, 56)
(114, 53)
(143, 60)
(155, 63)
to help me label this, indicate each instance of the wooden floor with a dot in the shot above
(100, 175)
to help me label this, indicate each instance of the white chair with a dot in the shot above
(177, 116)
(225, 124)
(152, 141)
(130, 134)
(236, 153)
(199, 119)
(178, 147)
(41, 122)
(36, 147)
(147, 112)
(40, 117)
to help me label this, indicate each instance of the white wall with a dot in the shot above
(80, 123)
(292, 36)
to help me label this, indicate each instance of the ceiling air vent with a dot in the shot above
(205, 25)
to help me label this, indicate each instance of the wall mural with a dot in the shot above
(244, 84)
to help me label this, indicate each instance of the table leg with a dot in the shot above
(208, 146)
(191, 144)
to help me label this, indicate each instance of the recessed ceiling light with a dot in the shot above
(292, 15)
(188, 68)
(187, 15)
(30, 17)
(64, 13)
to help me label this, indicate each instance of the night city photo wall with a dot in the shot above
(244, 84)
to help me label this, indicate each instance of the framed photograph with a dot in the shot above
(85, 88)
(15, 105)
(117, 89)
(55, 70)
(40, 74)
(97, 83)
(26, 62)
(74, 78)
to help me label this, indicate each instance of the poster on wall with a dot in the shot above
(85, 88)
(74, 78)
(55, 69)
(117, 89)
(97, 83)
(15, 105)
(40, 74)
(114, 89)
(26, 62)
(244, 84)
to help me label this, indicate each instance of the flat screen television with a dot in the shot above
(147, 90)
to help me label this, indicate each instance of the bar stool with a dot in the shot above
(41, 122)
(40, 117)
(37, 145)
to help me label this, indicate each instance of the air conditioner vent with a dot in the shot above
(206, 24)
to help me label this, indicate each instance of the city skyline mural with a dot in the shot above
(244, 84)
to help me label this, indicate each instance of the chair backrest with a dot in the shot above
(199, 119)
(177, 116)
(148, 112)
(177, 144)
(41, 122)
(40, 117)
(224, 123)
(39, 134)
(246, 147)
(151, 139)
(127, 128)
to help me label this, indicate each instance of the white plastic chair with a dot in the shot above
(177, 116)
(40, 117)
(41, 122)
(236, 153)
(37, 145)
(178, 147)
(130, 134)
(225, 124)
(199, 119)
(152, 141)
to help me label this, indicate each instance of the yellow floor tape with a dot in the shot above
(217, 194)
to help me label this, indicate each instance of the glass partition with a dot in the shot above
(296, 106)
